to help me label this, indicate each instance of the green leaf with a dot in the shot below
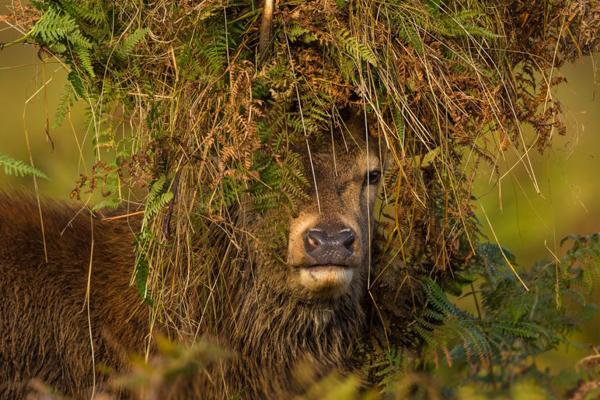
(19, 168)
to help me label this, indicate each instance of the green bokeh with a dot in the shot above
(531, 222)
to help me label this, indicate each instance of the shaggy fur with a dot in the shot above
(279, 337)
(273, 325)
(43, 313)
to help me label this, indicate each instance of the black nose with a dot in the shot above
(329, 246)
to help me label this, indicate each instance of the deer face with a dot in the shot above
(330, 238)
(326, 252)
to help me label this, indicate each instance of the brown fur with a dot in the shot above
(43, 313)
(272, 323)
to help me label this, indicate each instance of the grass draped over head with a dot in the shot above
(180, 103)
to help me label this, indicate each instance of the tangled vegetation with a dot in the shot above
(190, 120)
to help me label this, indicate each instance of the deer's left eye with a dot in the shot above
(372, 177)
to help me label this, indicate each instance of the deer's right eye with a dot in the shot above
(373, 177)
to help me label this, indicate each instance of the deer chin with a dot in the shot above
(326, 280)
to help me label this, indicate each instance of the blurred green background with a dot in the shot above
(528, 221)
(531, 214)
(29, 94)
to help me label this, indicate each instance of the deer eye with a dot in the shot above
(372, 177)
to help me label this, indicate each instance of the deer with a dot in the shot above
(68, 304)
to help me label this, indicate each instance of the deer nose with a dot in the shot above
(329, 247)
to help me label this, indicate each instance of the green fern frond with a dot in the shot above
(110, 203)
(19, 168)
(444, 324)
(409, 34)
(89, 11)
(65, 103)
(85, 59)
(77, 83)
(125, 47)
(53, 26)
(297, 33)
(214, 52)
(61, 32)
(141, 272)
(357, 50)
(158, 198)
(73, 90)
(294, 32)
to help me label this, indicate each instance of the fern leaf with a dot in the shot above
(85, 60)
(91, 13)
(158, 198)
(355, 49)
(110, 203)
(125, 48)
(54, 26)
(19, 168)
(64, 105)
(60, 31)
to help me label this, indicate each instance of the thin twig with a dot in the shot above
(265, 27)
